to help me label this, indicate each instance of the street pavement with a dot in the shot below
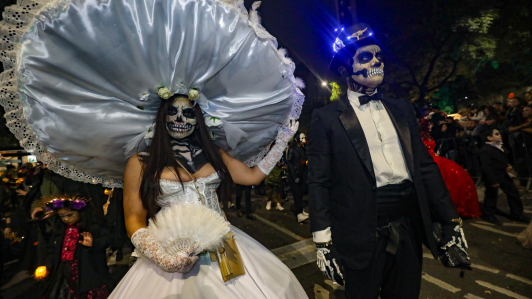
(501, 267)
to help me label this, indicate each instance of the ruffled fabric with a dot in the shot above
(105, 165)
(459, 183)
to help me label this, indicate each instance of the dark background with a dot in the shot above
(439, 51)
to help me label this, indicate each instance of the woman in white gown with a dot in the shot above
(157, 274)
(82, 86)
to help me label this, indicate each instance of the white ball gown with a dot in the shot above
(266, 276)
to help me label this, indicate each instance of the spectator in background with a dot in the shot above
(238, 201)
(492, 122)
(528, 96)
(494, 162)
(476, 114)
(464, 113)
(437, 117)
(525, 124)
(490, 111)
(500, 109)
(472, 128)
(447, 145)
(514, 114)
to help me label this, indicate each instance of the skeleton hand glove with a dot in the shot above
(453, 244)
(329, 263)
(145, 242)
(268, 163)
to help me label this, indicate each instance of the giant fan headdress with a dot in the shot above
(81, 78)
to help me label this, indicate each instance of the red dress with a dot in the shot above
(460, 185)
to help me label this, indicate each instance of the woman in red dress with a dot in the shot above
(461, 186)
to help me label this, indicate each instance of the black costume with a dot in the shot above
(494, 163)
(92, 265)
(343, 195)
(296, 174)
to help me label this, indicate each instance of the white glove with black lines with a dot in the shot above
(329, 264)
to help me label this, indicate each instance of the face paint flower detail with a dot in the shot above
(193, 94)
(164, 93)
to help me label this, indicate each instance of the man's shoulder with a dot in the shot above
(330, 110)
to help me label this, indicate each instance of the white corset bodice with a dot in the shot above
(174, 194)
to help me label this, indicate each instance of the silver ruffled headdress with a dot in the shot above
(81, 78)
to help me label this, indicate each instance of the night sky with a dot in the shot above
(304, 28)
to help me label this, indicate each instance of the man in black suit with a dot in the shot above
(372, 183)
(495, 166)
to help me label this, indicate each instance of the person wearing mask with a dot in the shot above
(373, 183)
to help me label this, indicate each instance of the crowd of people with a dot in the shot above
(469, 139)
(61, 241)
(174, 138)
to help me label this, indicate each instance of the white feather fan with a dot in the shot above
(184, 225)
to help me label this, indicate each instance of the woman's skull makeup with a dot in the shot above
(181, 119)
(368, 66)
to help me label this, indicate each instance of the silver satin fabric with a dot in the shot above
(83, 72)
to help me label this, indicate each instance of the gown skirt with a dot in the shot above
(266, 277)
(461, 187)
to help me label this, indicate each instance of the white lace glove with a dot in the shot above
(268, 163)
(182, 262)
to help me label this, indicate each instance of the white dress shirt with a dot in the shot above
(384, 148)
(383, 142)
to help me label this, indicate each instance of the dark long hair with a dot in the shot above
(160, 155)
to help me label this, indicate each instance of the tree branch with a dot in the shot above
(448, 76)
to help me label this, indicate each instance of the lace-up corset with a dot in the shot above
(174, 194)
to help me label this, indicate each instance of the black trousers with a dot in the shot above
(247, 192)
(512, 193)
(389, 275)
(297, 192)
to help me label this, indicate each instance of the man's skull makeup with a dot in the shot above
(181, 119)
(368, 66)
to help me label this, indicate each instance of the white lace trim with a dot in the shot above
(19, 19)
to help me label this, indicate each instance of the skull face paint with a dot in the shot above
(368, 66)
(181, 119)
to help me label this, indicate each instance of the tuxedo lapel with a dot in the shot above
(403, 131)
(352, 126)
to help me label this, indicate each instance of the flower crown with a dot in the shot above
(65, 201)
(165, 93)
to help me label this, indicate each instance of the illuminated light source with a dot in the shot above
(466, 98)
(106, 192)
(335, 29)
(40, 272)
(371, 33)
(324, 83)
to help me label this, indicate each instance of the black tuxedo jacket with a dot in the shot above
(494, 163)
(342, 184)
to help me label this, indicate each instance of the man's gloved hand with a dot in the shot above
(452, 242)
(329, 263)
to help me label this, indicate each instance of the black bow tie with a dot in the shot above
(365, 99)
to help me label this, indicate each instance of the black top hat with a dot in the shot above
(350, 39)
